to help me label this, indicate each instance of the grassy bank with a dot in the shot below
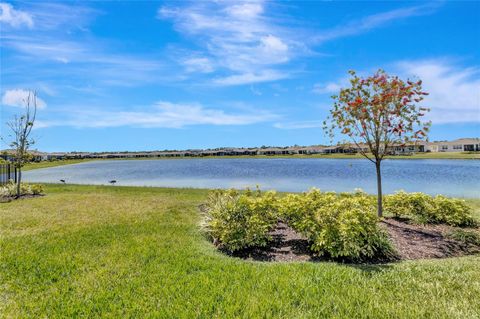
(46, 164)
(129, 251)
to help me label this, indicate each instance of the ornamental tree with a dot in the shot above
(377, 113)
(21, 127)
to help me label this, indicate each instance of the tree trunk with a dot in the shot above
(379, 190)
(19, 180)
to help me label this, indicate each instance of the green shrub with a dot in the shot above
(239, 220)
(465, 236)
(453, 212)
(10, 189)
(298, 210)
(36, 189)
(409, 205)
(427, 209)
(343, 226)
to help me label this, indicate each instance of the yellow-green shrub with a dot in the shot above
(36, 189)
(239, 220)
(452, 211)
(298, 210)
(427, 209)
(343, 226)
(409, 205)
(10, 189)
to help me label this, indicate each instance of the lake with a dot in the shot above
(459, 178)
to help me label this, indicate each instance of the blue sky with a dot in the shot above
(120, 75)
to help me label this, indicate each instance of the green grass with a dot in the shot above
(475, 204)
(116, 252)
(46, 164)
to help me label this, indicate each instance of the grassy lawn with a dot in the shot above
(88, 251)
(45, 164)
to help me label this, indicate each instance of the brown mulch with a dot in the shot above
(410, 240)
(11, 198)
(425, 241)
(286, 245)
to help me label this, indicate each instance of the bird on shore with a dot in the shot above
(112, 182)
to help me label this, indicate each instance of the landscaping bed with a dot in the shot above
(316, 226)
(411, 242)
(6, 199)
(8, 192)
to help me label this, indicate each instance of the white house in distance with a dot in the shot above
(459, 145)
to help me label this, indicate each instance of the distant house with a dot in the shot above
(243, 151)
(333, 149)
(345, 148)
(272, 151)
(36, 156)
(459, 145)
(310, 150)
(409, 148)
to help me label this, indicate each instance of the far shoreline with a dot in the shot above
(426, 156)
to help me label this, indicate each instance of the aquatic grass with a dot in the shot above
(93, 251)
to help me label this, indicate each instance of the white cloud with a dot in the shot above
(45, 48)
(255, 91)
(239, 37)
(248, 78)
(198, 64)
(375, 21)
(162, 114)
(454, 92)
(328, 88)
(275, 48)
(245, 10)
(13, 17)
(67, 16)
(82, 59)
(48, 16)
(79, 56)
(18, 98)
(247, 41)
(271, 44)
(298, 125)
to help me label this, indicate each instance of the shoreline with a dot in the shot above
(206, 189)
(425, 156)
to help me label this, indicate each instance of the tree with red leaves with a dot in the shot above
(377, 113)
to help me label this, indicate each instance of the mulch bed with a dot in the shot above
(286, 245)
(410, 240)
(425, 241)
(11, 198)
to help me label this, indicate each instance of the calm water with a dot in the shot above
(449, 177)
